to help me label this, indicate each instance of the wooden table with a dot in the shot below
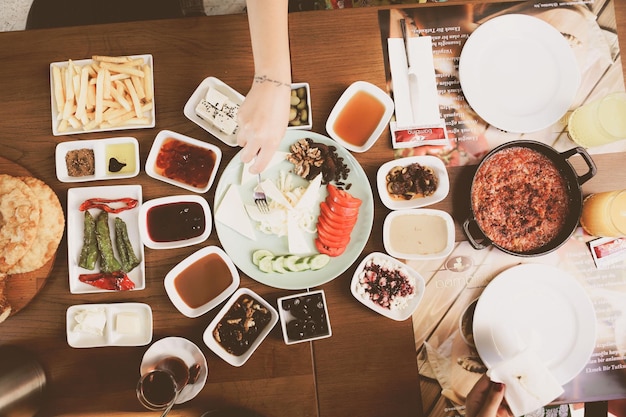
(368, 366)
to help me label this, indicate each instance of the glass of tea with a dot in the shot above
(159, 386)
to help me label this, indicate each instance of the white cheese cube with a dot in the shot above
(127, 323)
(91, 321)
(216, 98)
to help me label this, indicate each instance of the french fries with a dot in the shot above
(108, 92)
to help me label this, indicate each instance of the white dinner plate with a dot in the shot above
(183, 349)
(518, 73)
(539, 307)
(240, 248)
(75, 232)
(150, 115)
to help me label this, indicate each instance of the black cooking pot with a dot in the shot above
(477, 237)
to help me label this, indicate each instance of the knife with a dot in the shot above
(412, 73)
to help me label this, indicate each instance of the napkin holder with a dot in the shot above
(418, 121)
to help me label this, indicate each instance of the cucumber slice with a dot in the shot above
(265, 264)
(304, 263)
(319, 261)
(278, 264)
(291, 263)
(259, 254)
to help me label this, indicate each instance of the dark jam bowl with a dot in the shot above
(573, 182)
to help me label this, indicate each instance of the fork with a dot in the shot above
(259, 197)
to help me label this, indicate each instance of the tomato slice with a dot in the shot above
(343, 211)
(331, 237)
(337, 229)
(342, 197)
(334, 217)
(328, 250)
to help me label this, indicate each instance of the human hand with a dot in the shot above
(485, 399)
(262, 118)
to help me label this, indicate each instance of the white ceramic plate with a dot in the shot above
(199, 93)
(425, 160)
(111, 336)
(101, 161)
(424, 234)
(75, 229)
(192, 198)
(518, 73)
(537, 306)
(184, 264)
(240, 248)
(352, 89)
(72, 131)
(210, 341)
(154, 153)
(396, 314)
(183, 349)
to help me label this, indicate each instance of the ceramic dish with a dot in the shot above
(174, 200)
(428, 161)
(149, 116)
(305, 319)
(239, 360)
(302, 109)
(518, 73)
(174, 294)
(183, 349)
(405, 309)
(241, 247)
(75, 232)
(346, 97)
(540, 307)
(424, 234)
(124, 150)
(199, 93)
(124, 324)
(161, 139)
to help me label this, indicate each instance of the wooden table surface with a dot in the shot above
(368, 366)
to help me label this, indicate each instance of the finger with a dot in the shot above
(493, 400)
(262, 160)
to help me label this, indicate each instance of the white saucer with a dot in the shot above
(184, 349)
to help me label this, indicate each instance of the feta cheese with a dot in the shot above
(90, 321)
(127, 323)
(217, 109)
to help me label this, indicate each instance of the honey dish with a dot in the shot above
(240, 327)
(304, 317)
(418, 234)
(201, 281)
(175, 221)
(359, 117)
(387, 286)
(183, 161)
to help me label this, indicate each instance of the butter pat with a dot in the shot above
(127, 323)
(91, 321)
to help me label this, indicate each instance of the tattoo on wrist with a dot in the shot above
(264, 79)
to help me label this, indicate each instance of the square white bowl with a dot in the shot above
(382, 259)
(220, 351)
(161, 137)
(99, 148)
(422, 235)
(175, 297)
(309, 124)
(443, 187)
(191, 198)
(150, 115)
(347, 95)
(199, 93)
(286, 316)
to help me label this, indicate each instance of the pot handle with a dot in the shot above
(587, 158)
(472, 240)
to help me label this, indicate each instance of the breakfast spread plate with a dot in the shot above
(242, 238)
(185, 350)
(539, 307)
(120, 202)
(518, 73)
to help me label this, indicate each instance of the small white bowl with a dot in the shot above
(176, 298)
(382, 259)
(309, 124)
(160, 139)
(354, 88)
(101, 152)
(443, 188)
(192, 198)
(425, 233)
(220, 351)
(286, 316)
(190, 107)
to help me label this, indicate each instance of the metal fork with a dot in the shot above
(259, 197)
